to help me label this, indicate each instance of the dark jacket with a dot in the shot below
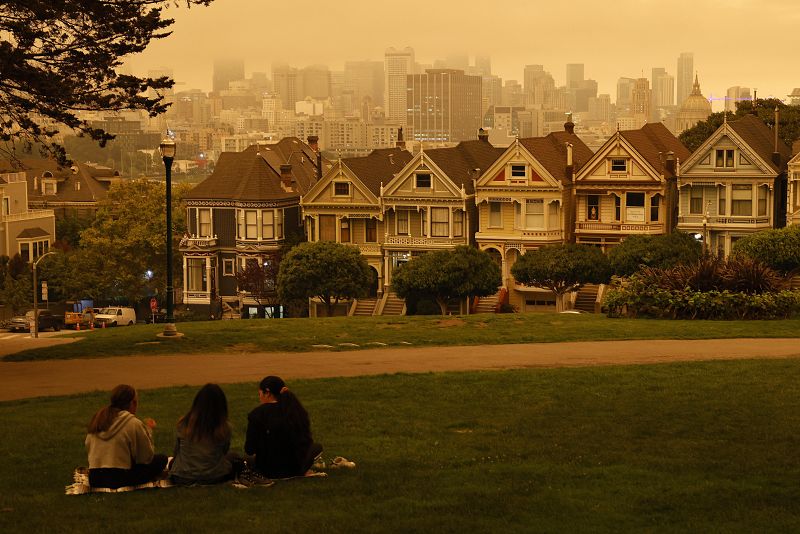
(280, 450)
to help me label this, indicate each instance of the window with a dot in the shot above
(495, 214)
(724, 158)
(25, 252)
(440, 222)
(344, 226)
(554, 219)
(722, 196)
(593, 208)
(534, 213)
(402, 222)
(696, 200)
(617, 208)
(227, 267)
(619, 165)
(341, 189)
(250, 224)
(458, 223)
(204, 223)
(48, 187)
(423, 181)
(196, 274)
(634, 207)
(655, 203)
(6, 205)
(267, 224)
(742, 200)
(518, 172)
(371, 231)
(762, 200)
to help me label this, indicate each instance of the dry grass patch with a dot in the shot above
(446, 323)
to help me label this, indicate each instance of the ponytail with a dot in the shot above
(293, 411)
(121, 398)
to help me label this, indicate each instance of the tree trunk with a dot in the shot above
(442, 305)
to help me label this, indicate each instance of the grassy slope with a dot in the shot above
(693, 446)
(302, 334)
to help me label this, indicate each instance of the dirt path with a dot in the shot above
(58, 377)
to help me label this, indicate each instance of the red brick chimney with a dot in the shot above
(483, 135)
(671, 193)
(313, 142)
(286, 176)
(569, 126)
(400, 143)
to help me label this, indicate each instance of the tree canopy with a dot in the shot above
(562, 268)
(259, 278)
(329, 271)
(447, 274)
(58, 59)
(777, 248)
(788, 129)
(662, 251)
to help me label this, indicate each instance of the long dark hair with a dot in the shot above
(293, 411)
(208, 417)
(121, 398)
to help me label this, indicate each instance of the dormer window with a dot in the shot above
(619, 165)
(341, 189)
(518, 173)
(724, 158)
(423, 181)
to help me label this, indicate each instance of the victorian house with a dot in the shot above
(734, 184)
(345, 206)
(23, 231)
(245, 211)
(521, 201)
(629, 187)
(793, 172)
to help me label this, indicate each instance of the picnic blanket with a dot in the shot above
(81, 486)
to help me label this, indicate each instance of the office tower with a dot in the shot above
(641, 98)
(398, 64)
(444, 105)
(735, 95)
(512, 94)
(365, 79)
(600, 108)
(285, 83)
(685, 76)
(226, 71)
(483, 65)
(663, 85)
(624, 93)
(580, 95)
(315, 82)
(574, 75)
(492, 91)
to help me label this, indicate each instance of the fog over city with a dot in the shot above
(735, 42)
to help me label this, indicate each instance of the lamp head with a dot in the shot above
(167, 148)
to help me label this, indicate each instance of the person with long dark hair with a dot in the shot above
(203, 439)
(120, 445)
(279, 432)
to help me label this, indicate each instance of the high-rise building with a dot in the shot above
(735, 95)
(641, 98)
(444, 105)
(624, 93)
(492, 91)
(398, 64)
(512, 94)
(600, 108)
(537, 85)
(286, 84)
(685, 76)
(574, 75)
(226, 71)
(483, 65)
(365, 79)
(663, 85)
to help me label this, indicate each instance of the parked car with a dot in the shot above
(115, 316)
(24, 323)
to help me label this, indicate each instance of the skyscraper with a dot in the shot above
(641, 98)
(735, 95)
(483, 65)
(624, 93)
(574, 75)
(365, 78)
(285, 83)
(226, 71)
(685, 76)
(398, 65)
(444, 105)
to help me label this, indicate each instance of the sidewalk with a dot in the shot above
(20, 380)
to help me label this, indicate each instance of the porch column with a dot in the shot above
(428, 222)
(338, 229)
(315, 219)
(208, 277)
(185, 278)
(386, 269)
(450, 221)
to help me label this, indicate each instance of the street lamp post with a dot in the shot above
(167, 149)
(36, 295)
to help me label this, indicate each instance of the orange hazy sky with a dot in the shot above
(735, 42)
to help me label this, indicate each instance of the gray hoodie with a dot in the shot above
(126, 442)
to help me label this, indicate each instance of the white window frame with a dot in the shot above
(430, 180)
(741, 188)
(228, 267)
(518, 178)
(338, 194)
(405, 221)
(728, 158)
(200, 223)
(534, 211)
(616, 161)
(496, 215)
(440, 222)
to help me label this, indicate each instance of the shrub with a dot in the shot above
(660, 251)
(778, 248)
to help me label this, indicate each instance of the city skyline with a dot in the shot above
(647, 42)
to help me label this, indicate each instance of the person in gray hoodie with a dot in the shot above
(120, 445)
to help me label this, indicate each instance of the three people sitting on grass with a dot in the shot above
(279, 441)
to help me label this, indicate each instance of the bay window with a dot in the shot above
(742, 200)
(440, 222)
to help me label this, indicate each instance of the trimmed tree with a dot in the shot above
(778, 248)
(447, 274)
(259, 279)
(662, 251)
(562, 269)
(331, 272)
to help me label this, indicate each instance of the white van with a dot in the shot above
(115, 316)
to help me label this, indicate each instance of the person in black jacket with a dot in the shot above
(279, 433)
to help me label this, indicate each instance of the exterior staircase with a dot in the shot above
(394, 305)
(365, 306)
(488, 304)
(586, 298)
(795, 283)
(229, 312)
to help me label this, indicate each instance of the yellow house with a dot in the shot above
(521, 199)
(793, 209)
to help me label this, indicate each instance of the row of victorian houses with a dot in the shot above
(394, 205)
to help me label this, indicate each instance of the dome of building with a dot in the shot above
(696, 108)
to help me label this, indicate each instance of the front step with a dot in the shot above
(394, 305)
(586, 298)
(488, 304)
(365, 307)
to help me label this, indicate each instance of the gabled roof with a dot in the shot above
(551, 152)
(378, 167)
(78, 183)
(652, 141)
(460, 162)
(254, 174)
(761, 139)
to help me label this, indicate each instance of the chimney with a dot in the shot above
(286, 176)
(568, 197)
(671, 194)
(570, 165)
(754, 105)
(483, 135)
(796, 147)
(670, 164)
(569, 126)
(313, 142)
(319, 165)
(400, 143)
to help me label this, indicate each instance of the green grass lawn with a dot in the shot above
(700, 447)
(349, 333)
